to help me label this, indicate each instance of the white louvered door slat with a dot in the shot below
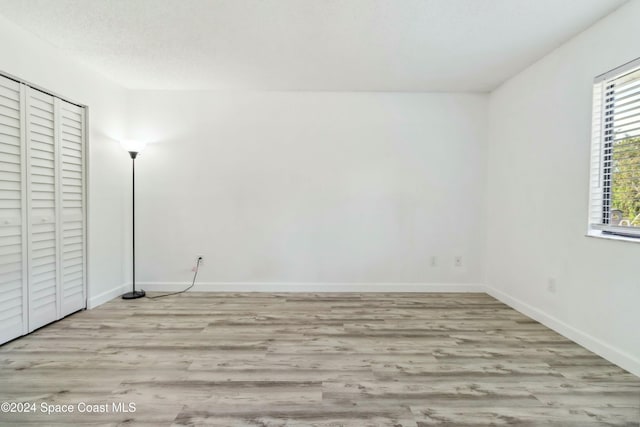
(13, 284)
(72, 208)
(43, 204)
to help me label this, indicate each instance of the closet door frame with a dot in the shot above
(26, 205)
(85, 207)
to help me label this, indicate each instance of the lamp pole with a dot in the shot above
(134, 294)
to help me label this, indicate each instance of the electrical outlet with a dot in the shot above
(434, 261)
(551, 285)
(201, 260)
(457, 261)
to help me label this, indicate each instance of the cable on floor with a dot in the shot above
(193, 282)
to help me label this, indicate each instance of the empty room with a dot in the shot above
(320, 212)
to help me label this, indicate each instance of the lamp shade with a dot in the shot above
(133, 146)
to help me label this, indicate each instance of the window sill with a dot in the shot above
(601, 235)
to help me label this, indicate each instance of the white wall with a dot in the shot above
(538, 176)
(306, 188)
(29, 58)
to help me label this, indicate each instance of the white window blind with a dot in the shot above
(615, 156)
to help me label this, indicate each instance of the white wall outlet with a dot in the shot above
(434, 261)
(457, 261)
(551, 285)
(201, 261)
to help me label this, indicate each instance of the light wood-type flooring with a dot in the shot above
(261, 359)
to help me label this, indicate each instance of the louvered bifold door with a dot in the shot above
(41, 145)
(13, 268)
(42, 209)
(72, 207)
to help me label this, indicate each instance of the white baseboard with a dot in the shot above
(612, 354)
(106, 296)
(310, 287)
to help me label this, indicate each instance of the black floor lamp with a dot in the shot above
(134, 148)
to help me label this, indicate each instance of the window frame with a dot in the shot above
(599, 189)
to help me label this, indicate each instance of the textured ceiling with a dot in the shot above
(327, 45)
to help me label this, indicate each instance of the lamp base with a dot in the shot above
(134, 295)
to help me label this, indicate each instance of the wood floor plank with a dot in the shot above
(278, 359)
